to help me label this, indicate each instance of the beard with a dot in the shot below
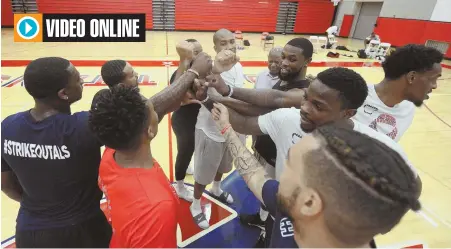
(290, 76)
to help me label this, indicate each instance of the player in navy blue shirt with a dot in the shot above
(50, 163)
(339, 188)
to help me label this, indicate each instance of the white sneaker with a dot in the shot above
(190, 170)
(184, 193)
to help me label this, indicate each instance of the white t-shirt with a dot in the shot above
(392, 121)
(234, 78)
(332, 30)
(265, 80)
(284, 128)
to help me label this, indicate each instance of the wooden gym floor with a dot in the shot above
(427, 142)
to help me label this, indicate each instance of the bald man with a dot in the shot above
(267, 78)
(211, 157)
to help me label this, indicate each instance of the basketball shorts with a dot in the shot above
(210, 157)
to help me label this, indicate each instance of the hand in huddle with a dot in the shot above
(224, 61)
(220, 115)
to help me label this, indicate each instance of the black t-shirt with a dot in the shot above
(264, 144)
(56, 161)
(187, 111)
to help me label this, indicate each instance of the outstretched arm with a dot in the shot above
(268, 98)
(241, 107)
(253, 173)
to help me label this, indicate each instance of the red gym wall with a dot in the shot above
(244, 15)
(97, 6)
(314, 16)
(250, 15)
(7, 13)
(399, 32)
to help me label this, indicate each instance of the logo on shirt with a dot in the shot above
(295, 138)
(386, 120)
(369, 109)
(41, 151)
(286, 228)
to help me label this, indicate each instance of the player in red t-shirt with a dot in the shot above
(141, 201)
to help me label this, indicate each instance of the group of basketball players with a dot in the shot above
(324, 168)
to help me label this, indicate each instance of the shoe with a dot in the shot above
(190, 170)
(184, 193)
(199, 218)
(252, 220)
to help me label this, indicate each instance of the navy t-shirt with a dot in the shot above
(56, 161)
(282, 235)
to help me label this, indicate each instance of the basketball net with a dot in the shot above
(335, 2)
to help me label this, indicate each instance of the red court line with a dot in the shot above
(446, 66)
(161, 63)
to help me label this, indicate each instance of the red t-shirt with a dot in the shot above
(142, 205)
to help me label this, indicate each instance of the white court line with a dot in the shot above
(443, 221)
(427, 218)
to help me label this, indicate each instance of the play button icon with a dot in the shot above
(27, 28)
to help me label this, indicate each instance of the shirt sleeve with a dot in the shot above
(269, 194)
(271, 123)
(155, 232)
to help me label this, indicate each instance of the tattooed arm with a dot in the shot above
(253, 173)
(170, 98)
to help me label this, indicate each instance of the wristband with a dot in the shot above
(193, 71)
(230, 91)
(205, 100)
(225, 129)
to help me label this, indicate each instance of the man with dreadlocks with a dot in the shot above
(334, 95)
(339, 188)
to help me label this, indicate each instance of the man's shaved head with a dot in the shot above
(224, 39)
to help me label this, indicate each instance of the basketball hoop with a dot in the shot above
(335, 2)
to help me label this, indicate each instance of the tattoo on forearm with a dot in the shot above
(169, 99)
(253, 173)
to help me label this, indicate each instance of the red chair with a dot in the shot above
(263, 37)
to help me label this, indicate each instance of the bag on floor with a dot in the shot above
(333, 55)
(269, 38)
(246, 43)
(361, 54)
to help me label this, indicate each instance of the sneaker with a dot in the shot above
(190, 170)
(184, 193)
(252, 220)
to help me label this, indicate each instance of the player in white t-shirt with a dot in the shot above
(211, 157)
(411, 73)
(335, 94)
